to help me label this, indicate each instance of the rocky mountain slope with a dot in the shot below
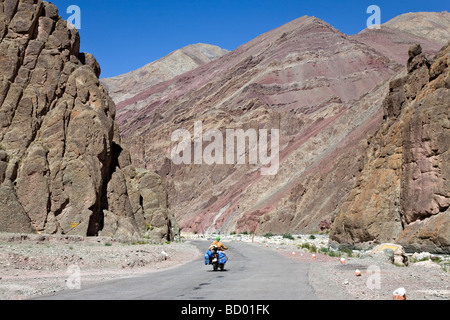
(63, 168)
(429, 25)
(403, 192)
(178, 62)
(302, 78)
(430, 29)
(322, 89)
(375, 169)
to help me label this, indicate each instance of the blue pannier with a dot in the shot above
(207, 257)
(222, 258)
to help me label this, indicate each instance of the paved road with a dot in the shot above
(251, 273)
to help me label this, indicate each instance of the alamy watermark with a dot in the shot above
(73, 282)
(190, 150)
(374, 21)
(74, 20)
(374, 277)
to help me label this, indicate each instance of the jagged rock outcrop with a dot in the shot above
(62, 163)
(403, 192)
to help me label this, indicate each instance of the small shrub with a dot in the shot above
(332, 253)
(268, 235)
(436, 259)
(399, 265)
(324, 250)
(288, 236)
(141, 242)
(347, 251)
(312, 237)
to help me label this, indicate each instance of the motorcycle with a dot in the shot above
(217, 258)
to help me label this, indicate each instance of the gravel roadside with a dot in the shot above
(332, 280)
(378, 280)
(35, 265)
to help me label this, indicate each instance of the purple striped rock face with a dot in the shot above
(304, 79)
(322, 89)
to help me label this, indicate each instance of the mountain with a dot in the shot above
(63, 168)
(357, 127)
(429, 25)
(174, 64)
(302, 78)
(393, 39)
(322, 89)
(403, 192)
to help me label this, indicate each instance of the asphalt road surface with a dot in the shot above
(251, 273)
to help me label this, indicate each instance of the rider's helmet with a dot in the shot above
(218, 238)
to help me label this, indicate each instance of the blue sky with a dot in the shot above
(126, 35)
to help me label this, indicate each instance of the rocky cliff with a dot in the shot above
(403, 192)
(63, 168)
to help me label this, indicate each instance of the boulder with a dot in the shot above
(421, 256)
(399, 294)
(150, 203)
(13, 217)
(393, 253)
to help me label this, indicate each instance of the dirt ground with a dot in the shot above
(378, 280)
(35, 265)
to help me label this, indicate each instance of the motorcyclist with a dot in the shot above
(220, 246)
(216, 245)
